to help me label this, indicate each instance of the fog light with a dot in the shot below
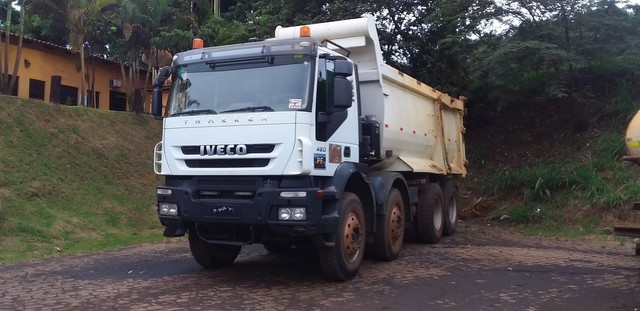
(168, 209)
(292, 213)
(299, 213)
(163, 191)
(284, 214)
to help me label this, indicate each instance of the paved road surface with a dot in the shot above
(480, 268)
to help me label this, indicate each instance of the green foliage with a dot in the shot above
(575, 189)
(47, 20)
(569, 52)
(539, 181)
(217, 31)
(15, 15)
(527, 213)
(173, 41)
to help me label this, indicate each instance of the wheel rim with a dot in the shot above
(437, 215)
(396, 225)
(453, 210)
(351, 242)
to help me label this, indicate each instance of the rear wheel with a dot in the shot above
(390, 234)
(342, 261)
(429, 215)
(211, 256)
(450, 195)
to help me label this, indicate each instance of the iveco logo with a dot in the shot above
(223, 150)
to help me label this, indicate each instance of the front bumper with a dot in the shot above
(245, 203)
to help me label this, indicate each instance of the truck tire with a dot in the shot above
(429, 215)
(211, 256)
(390, 232)
(451, 199)
(342, 261)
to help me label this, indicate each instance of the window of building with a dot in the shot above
(14, 91)
(90, 100)
(36, 89)
(68, 95)
(117, 101)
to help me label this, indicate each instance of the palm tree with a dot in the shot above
(141, 21)
(81, 15)
(6, 85)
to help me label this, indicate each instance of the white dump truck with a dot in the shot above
(306, 140)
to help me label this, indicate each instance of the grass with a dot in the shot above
(570, 196)
(550, 179)
(74, 179)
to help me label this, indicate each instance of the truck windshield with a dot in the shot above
(274, 83)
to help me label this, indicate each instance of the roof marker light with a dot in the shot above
(305, 31)
(197, 43)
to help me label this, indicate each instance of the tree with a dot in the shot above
(139, 22)
(7, 84)
(82, 15)
(47, 20)
(217, 31)
(263, 16)
(570, 52)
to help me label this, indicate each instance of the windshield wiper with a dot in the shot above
(251, 109)
(194, 112)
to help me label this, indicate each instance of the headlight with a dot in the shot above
(292, 213)
(168, 209)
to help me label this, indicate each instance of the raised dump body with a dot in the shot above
(421, 129)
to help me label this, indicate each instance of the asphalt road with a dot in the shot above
(480, 268)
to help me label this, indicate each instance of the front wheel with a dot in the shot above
(342, 261)
(211, 256)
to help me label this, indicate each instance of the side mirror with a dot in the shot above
(342, 93)
(343, 68)
(156, 102)
(342, 88)
(163, 75)
(156, 98)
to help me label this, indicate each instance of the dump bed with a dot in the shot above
(421, 128)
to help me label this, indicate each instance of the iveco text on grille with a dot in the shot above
(223, 150)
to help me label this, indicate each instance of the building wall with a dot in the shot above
(40, 61)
